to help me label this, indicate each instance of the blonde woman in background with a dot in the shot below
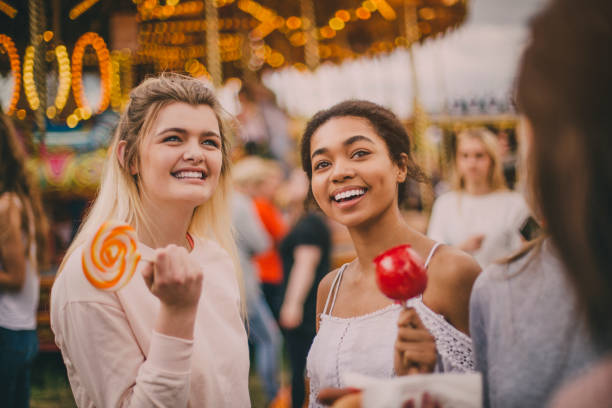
(23, 238)
(174, 335)
(480, 215)
(260, 179)
(253, 239)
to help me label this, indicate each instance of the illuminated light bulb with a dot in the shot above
(336, 23)
(72, 121)
(9, 46)
(64, 76)
(400, 42)
(427, 13)
(86, 113)
(51, 112)
(363, 13)
(297, 39)
(104, 62)
(276, 59)
(327, 32)
(369, 5)
(343, 15)
(293, 23)
(28, 79)
(324, 51)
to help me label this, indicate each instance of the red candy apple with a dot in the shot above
(400, 273)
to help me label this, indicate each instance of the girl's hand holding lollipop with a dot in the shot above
(400, 275)
(110, 259)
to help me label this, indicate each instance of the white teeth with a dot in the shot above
(349, 193)
(189, 174)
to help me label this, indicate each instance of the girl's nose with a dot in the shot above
(193, 153)
(342, 170)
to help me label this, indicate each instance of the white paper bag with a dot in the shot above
(450, 390)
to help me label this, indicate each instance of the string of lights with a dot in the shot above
(99, 46)
(9, 47)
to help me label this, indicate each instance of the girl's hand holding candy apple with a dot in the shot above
(400, 275)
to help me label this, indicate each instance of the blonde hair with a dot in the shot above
(495, 178)
(119, 195)
(254, 170)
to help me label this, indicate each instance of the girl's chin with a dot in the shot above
(189, 202)
(349, 220)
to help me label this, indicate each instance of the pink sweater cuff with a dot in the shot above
(170, 354)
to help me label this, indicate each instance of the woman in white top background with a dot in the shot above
(358, 158)
(480, 215)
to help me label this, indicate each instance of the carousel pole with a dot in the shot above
(245, 57)
(309, 26)
(37, 26)
(213, 54)
(419, 116)
(412, 35)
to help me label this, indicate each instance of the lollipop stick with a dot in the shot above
(146, 259)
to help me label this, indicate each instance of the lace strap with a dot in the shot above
(334, 288)
(431, 253)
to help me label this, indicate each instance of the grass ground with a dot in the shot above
(51, 389)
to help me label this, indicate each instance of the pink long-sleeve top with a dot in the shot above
(114, 358)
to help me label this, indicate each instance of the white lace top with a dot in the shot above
(365, 344)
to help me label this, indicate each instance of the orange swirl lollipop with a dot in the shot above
(110, 259)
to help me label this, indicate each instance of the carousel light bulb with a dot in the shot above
(72, 121)
(336, 23)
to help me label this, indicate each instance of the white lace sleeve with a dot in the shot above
(455, 353)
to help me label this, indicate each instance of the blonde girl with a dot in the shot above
(174, 335)
(480, 215)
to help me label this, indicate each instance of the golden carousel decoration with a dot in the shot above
(214, 38)
(48, 47)
(233, 37)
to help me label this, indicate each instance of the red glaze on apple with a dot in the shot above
(400, 274)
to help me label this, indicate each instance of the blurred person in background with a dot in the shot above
(564, 90)
(544, 317)
(480, 215)
(253, 239)
(305, 252)
(23, 235)
(508, 146)
(260, 179)
(264, 126)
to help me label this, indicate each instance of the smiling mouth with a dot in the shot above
(193, 175)
(349, 195)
